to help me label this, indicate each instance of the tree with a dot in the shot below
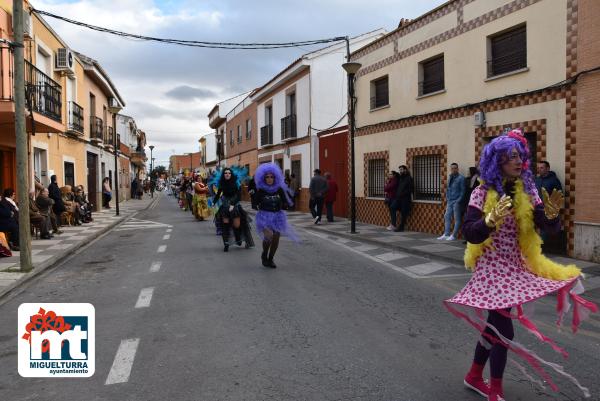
(158, 171)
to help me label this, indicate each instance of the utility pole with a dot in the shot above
(21, 139)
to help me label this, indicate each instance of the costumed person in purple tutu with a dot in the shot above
(271, 219)
(510, 271)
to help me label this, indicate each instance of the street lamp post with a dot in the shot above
(351, 68)
(151, 159)
(191, 164)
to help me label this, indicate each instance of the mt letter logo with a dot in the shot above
(56, 340)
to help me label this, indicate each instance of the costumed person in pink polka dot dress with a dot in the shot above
(504, 251)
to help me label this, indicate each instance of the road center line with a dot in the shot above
(162, 249)
(166, 236)
(155, 267)
(121, 367)
(145, 298)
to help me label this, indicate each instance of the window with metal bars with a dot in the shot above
(376, 176)
(248, 128)
(507, 51)
(380, 93)
(69, 174)
(297, 170)
(432, 75)
(239, 134)
(231, 137)
(427, 176)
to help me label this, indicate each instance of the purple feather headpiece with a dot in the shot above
(497, 153)
(278, 182)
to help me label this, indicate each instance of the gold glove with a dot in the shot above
(552, 203)
(499, 212)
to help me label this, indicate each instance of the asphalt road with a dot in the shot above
(327, 324)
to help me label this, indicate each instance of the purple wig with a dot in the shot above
(278, 182)
(497, 153)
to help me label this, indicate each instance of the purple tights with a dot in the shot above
(493, 348)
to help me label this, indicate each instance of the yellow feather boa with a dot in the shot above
(529, 240)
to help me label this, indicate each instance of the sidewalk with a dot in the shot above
(415, 243)
(46, 253)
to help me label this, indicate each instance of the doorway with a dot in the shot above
(92, 179)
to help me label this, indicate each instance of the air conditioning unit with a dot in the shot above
(479, 119)
(27, 25)
(65, 61)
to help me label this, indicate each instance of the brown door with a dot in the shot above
(92, 179)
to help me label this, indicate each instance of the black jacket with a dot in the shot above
(56, 196)
(271, 202)
(405, 187)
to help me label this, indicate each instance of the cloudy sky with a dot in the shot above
(168, 89)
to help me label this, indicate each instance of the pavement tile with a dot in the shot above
(424, 269)
(6, 265)
(10, 276)
(436, 248)
(375, 251)
(40, 258)
(389, 256)
(45, 242)
(365, 248)
(408, 261)
(60, 247)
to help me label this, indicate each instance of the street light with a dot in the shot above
(191, 164)
(351, 69)
(151, 159)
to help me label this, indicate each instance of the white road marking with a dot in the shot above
(145, 298)
(403, 270)
(155, 267)
(162, 249)
(121, 367)
(166, 236)
(169, 230)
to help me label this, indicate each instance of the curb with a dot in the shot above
(55, 260)
(416, 252)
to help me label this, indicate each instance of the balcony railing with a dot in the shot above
(42, 93)
(109, 136)
(75, 118)
(288, 127)
(266, 135)
(96, 129)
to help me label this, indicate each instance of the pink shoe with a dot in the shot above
(477, 384)
(494, 396)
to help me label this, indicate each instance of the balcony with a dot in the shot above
(96, 129)
(138, 157)
(288, 127)
(266, 135)
(42, 93)
(43, 97)
(75, 118)
(109, 138)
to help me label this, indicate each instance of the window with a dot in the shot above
(297, 170)
(379, 93)
(376, 171)
(69, 174)
(279, 162)
(427, 177)
(269, 115)
(431, 74)
(231, 137)
(239, 134)
(248, 128)
(290, 104)
(507, 51)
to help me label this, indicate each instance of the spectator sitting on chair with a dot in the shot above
(38, 219)
(54, 193)
(9, 218)
(45, 205)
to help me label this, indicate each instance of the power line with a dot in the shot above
(191, 43)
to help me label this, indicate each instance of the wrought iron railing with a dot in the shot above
(431, 86)
(75, 117)
(288, 127)
(266, 135)
(506, 63)
(427, 177)
(43, 94)
(96, 129)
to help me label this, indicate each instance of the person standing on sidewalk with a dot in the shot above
(332, 189)
(454, 195)
(318, 190)
(294, 190)
(389, 190)
(509, 268)
(402, 199)
(271, 219)
(106, 193)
